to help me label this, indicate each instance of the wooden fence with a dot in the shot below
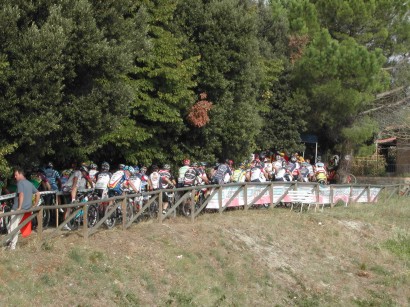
(219, 198)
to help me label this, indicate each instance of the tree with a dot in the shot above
(339, 80)
(381, 24)
(162, 84)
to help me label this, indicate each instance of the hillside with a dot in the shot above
(355, 256)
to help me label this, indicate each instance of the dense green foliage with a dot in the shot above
(115, 80)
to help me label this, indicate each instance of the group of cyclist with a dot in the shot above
(108, 183)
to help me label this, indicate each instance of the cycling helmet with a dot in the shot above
(93, 166)
(84, 169)
(194, 164)
(143, 169)
(136, 168)
(66, 173)
(131, 169)
(167, 167)
(186, 162)
(320, 164)
(126, 168)
(121, 166)
(50, 165)
(293, 159)
(105, 166)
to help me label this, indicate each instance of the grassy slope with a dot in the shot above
(355, 256)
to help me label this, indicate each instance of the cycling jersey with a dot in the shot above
(320, 173)
(239, 175)
(136, 180)
(65, 175)
(92, 174)
(117, 181)
(144, 182)
(103, 179)
(52, 176)
(154, 177)
(165, 177)
(190, 177)
(181, 174)
(221, 171)
(69, 184)
(257, 175)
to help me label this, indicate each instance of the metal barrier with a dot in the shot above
(218, 198)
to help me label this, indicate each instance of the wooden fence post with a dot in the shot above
(85, 222)
(245, 196)
(220, 199)
(124, 212)
(331, 196)
(160, 207)
(368, 193)
(40, 224)
(193, 192)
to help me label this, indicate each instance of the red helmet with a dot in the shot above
(186, 162)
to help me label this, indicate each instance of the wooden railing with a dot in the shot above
(219, 198)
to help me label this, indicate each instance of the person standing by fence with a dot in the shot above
(22, 201)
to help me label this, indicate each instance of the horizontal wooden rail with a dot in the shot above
(270, 192)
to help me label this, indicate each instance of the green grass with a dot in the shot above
(355, 256)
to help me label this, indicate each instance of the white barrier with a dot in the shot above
(325, 194)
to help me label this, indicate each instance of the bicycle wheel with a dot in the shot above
(129, 212)
(75, 222)
(92, 215)
(186, 207)
(153, 209)
(46, 218)
(110, 221)
(4, 220)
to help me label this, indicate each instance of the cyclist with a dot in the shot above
(166, 181)
(294, 168)
(304, 172)
(181, 172)
(256, 173)
(93, 171)
(320, 173)
(239, 175)
(73, 183)
(3, 186)
(120, 180)
(135, 179)
(71, 187)
(219, 176)
(38, 179)
(269, 169)
(190, 177)
(154, 178)
(145, 181)
(53, 177)
(102, 179)
(280, 170)
(202, 178)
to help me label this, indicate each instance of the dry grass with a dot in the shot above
(355, 256)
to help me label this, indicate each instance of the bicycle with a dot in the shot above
(92, 212)
(198, 200)
(4, 221)
(117, 215)
(46, 212)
